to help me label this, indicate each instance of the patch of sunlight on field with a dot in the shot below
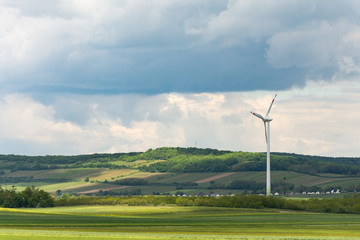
(135, 164)
(78, 186)
(89, 187)
(99, 174)
(17, 234)
(9, 185)
(185, 177)
(143, 211)
(113, 173)
(121, 210)
(69, 173)
(64, 186)
(145, 174)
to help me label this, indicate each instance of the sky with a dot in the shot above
(106, 76)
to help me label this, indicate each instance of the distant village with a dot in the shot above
(337, 191)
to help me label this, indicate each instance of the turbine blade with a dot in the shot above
(258, 115)
(265, 132)
(268, 111)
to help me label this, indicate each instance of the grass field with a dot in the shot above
(172, 222)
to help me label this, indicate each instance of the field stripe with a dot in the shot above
(103, 189)
(209, 179)
(17, 234)
(176, 177)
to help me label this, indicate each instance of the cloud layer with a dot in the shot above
(115, 76)
(154, 46)
(320, 119)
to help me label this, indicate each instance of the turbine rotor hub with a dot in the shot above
(268, 119)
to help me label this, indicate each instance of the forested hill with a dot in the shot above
(168, 159)
(344, 160)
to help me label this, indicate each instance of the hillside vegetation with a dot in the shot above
(179, 171)
(187, 160)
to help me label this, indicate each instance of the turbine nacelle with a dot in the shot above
(268, 119)
(265, 119)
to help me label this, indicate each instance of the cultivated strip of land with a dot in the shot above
(103, 189)
(209, 179)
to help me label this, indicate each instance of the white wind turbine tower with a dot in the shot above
(267, 121)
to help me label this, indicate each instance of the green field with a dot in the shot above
(172, 222)
(73, 180)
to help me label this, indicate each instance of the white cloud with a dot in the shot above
(74, 46)
(315, 45)
(163, 46)
(28, 40)
(319, 120)
(90, 44)
(312, 35)
(240, 21)
(29, 123)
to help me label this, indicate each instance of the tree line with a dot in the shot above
(243, 161)
(188, 160)
(30, 197)
(281, 186)
(349, 204)
(33, 197)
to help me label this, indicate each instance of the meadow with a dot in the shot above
(173, 222)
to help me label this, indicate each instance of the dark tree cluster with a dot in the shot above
(131, 192)
(188, 160)
(209, 160)
(20, 162)
(349, 204)
(190, 165)
(29, 198)
(131, 181)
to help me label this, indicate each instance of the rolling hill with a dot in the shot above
(179, 171)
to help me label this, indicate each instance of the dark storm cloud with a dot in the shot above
(151, 47)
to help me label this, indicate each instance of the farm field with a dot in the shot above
(74, 173)
(173, 222)
(73, 180)
(179, 171)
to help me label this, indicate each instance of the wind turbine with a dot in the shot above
(267, 121)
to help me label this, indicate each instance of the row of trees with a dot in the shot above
(29, 198)
(189, 160)
(280, 186)
(333, 205)
(241, 161)
(131, 181)
(188, 164)
(20, 162)
(33, 197)
(256, 187)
